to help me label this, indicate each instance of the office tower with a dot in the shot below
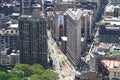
(36, 4)
(74, 35)
(33, 39)
(63, 5)
(26, 6)
(57, 24)
(87, 25)
(79, 30)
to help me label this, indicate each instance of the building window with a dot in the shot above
(118, 74)
(114, 74)
(16, 31)
(11, 31)
(6, 31)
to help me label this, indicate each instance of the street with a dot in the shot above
(61, 64)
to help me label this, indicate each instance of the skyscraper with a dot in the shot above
(74, 35)
(79, 29)
(26, 6)
(33, 39)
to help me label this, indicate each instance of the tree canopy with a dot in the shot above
(28, 72)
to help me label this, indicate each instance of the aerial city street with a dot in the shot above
(59, 39)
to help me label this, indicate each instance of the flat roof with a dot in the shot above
(15, 14)
(9, 22)
(26, 16)
(111, 63)
(105, 46)
(111, 28)
(68, 0)
(112, 20)
(110, 7)
(112, 23)
(48, 0)
(82, 39)
(7, 4)
(14, 54)
(13, 26)
(64, 38)
(36, 5)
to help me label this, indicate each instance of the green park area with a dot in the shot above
(28, 72)
(112, 53)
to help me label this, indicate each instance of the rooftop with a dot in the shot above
(64, 38)
(112, 21)
(110, 7)
(74, 13)
(111, 63)
(13, 26)
(68, 0)
(87, 4)
(82, 39)
(36, 5)
(111, 28)
(88, 75)
(26, 16)
(113, 53)
(14, 54)
(65, 1)
(10, 52)
(15, 14)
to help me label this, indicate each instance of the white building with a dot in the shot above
(74, 35)
(79, 29)
(112, 10)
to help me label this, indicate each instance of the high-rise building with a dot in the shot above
(79, 30)
(74, 35)
(33, 39)
(63, 5)
(60, 22)
(26, 6)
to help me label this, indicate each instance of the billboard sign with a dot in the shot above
(61, 25)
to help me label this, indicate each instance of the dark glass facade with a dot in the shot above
(33, 41)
